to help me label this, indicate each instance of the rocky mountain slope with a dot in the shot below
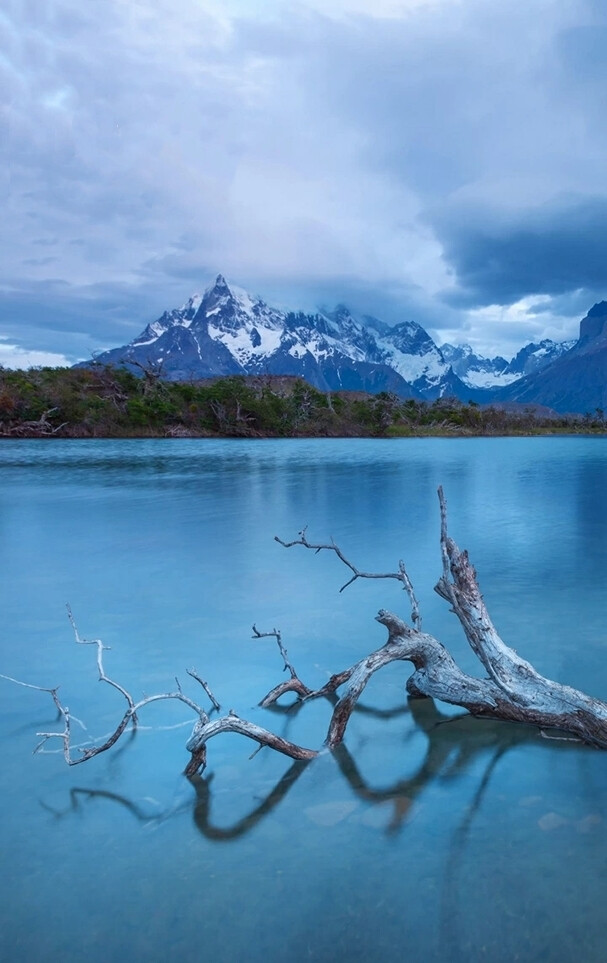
(227, 331)
(478, 372)
(576, 381)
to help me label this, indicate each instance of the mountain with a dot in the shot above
(575, 381)
(474, 370)
(227, 331)
(479, 372)
(533, 357)
(410, 350)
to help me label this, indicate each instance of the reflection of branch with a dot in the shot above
(444, 736)
(76, 792)
(404, 791)
(293, 708)
(444, 733)
(449, 913)
(202, 817)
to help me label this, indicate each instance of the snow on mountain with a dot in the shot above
(479, 372)
(410, 350)
(246, 326)
(475, 370)
(575, 379)
(227, 331)
(178, 316)
(535, 356)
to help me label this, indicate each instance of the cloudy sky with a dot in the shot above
(442, 161)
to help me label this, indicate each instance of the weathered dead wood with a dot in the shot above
(201, 734)
(212, 699)
(514, 691)
(294, 684)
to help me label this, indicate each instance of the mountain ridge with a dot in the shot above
(576, 381)
(225, 331)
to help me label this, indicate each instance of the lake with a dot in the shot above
(421, 839)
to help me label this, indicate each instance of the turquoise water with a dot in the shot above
(418, 840)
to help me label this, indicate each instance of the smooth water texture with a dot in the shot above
(420, 840)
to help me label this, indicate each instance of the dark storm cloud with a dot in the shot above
(557, 248)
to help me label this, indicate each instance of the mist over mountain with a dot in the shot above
(227, 331)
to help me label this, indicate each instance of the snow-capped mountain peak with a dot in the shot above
(245, 325)
(182, 316)
(226, 330)
(475, 370)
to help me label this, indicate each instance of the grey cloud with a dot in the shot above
(309, 157)
(48, 314)
(39, 261)
(552, 249)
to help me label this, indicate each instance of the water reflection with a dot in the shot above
(455, 745)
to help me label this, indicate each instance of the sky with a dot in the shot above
(441, 161)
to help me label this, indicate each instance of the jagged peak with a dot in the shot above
(192, 304)
(219, 285)
(221, 291)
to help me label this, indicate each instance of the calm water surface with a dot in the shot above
(420, 840)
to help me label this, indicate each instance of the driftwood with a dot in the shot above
(513, 691)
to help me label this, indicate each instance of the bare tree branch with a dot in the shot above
(275, 634)
(40, 426)
(40, 688)
(112, 739)
(102, 676)
(400, 576)
(233, 723)
(205, 686)
(294, 684)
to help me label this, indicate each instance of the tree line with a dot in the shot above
(102, 401)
